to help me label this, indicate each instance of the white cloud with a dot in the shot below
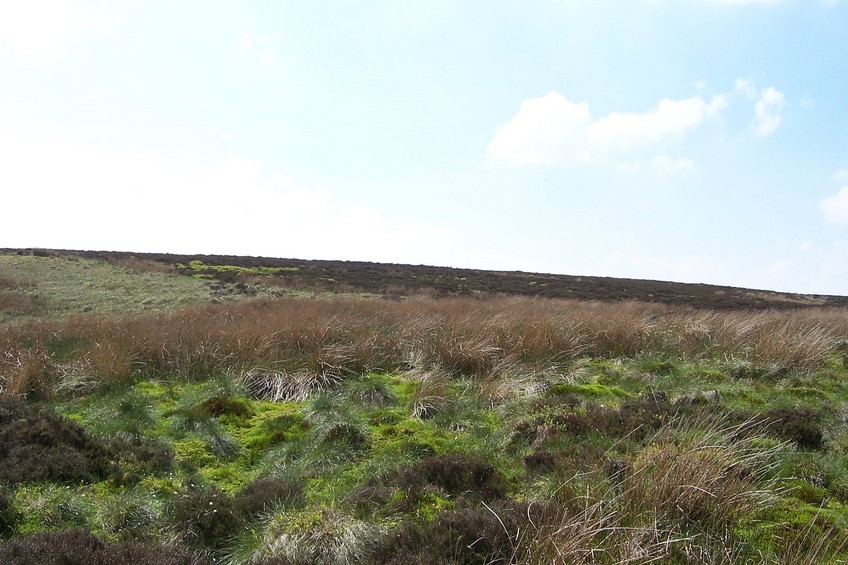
(664, 165)
(258, 47)
(768, 106)
(88, 197)
(545, 131)
(840, 175)
(245, 42)
(746, 87)
(623, 131)
(767, 110)
(552, 130)
(43, 30)
(835, 208)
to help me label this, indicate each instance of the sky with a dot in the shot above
(685, 140)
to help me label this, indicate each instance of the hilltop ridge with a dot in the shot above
(397, 280)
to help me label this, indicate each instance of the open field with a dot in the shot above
(34, 287)
(235, 418)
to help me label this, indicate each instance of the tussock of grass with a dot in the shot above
(325, 536)
(279, 385)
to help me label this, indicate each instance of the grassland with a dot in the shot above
(35, 287)
(273, 428)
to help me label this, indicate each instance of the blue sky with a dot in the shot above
(687, 140)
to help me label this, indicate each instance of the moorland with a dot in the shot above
(209, 409)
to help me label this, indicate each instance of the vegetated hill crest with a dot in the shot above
(400, 280)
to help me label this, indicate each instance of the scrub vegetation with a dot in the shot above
(267, 426)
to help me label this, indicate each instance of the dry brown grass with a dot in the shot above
(460, 336)
(141, 265)
(17, 303)
(677, 501)
(27, 372)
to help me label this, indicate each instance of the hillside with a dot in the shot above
(194, 410)
(401, 280)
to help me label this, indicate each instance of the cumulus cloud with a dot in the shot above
(767, 112)
(835, 208)
(768, 107)
(746, 87)
(552, 130)
(43, 30)
(664, 165)
(89, 197)
(258, 47)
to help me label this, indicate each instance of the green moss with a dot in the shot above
(162, 487)
(430, 504)
(195, 452)
(271, 425)
(709, 375)
(807, 393)
(229, 409)
(410, 439)
(792, 522)
(386, 416)
(591, 390)
(229, 478)
(199, 267)
(51, 507)
(656, 367)
(403, 389)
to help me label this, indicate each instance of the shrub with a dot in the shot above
(457, 474)
(226, 405)
(9, 517)
(573, 424)
(203, 519)
(372, 497)
(262, 495)
(81, 547)
(541, 462)
(139, 456)
(799, 425)
(465, 536)
(36, 445)
(635, 418)
(523, 431)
